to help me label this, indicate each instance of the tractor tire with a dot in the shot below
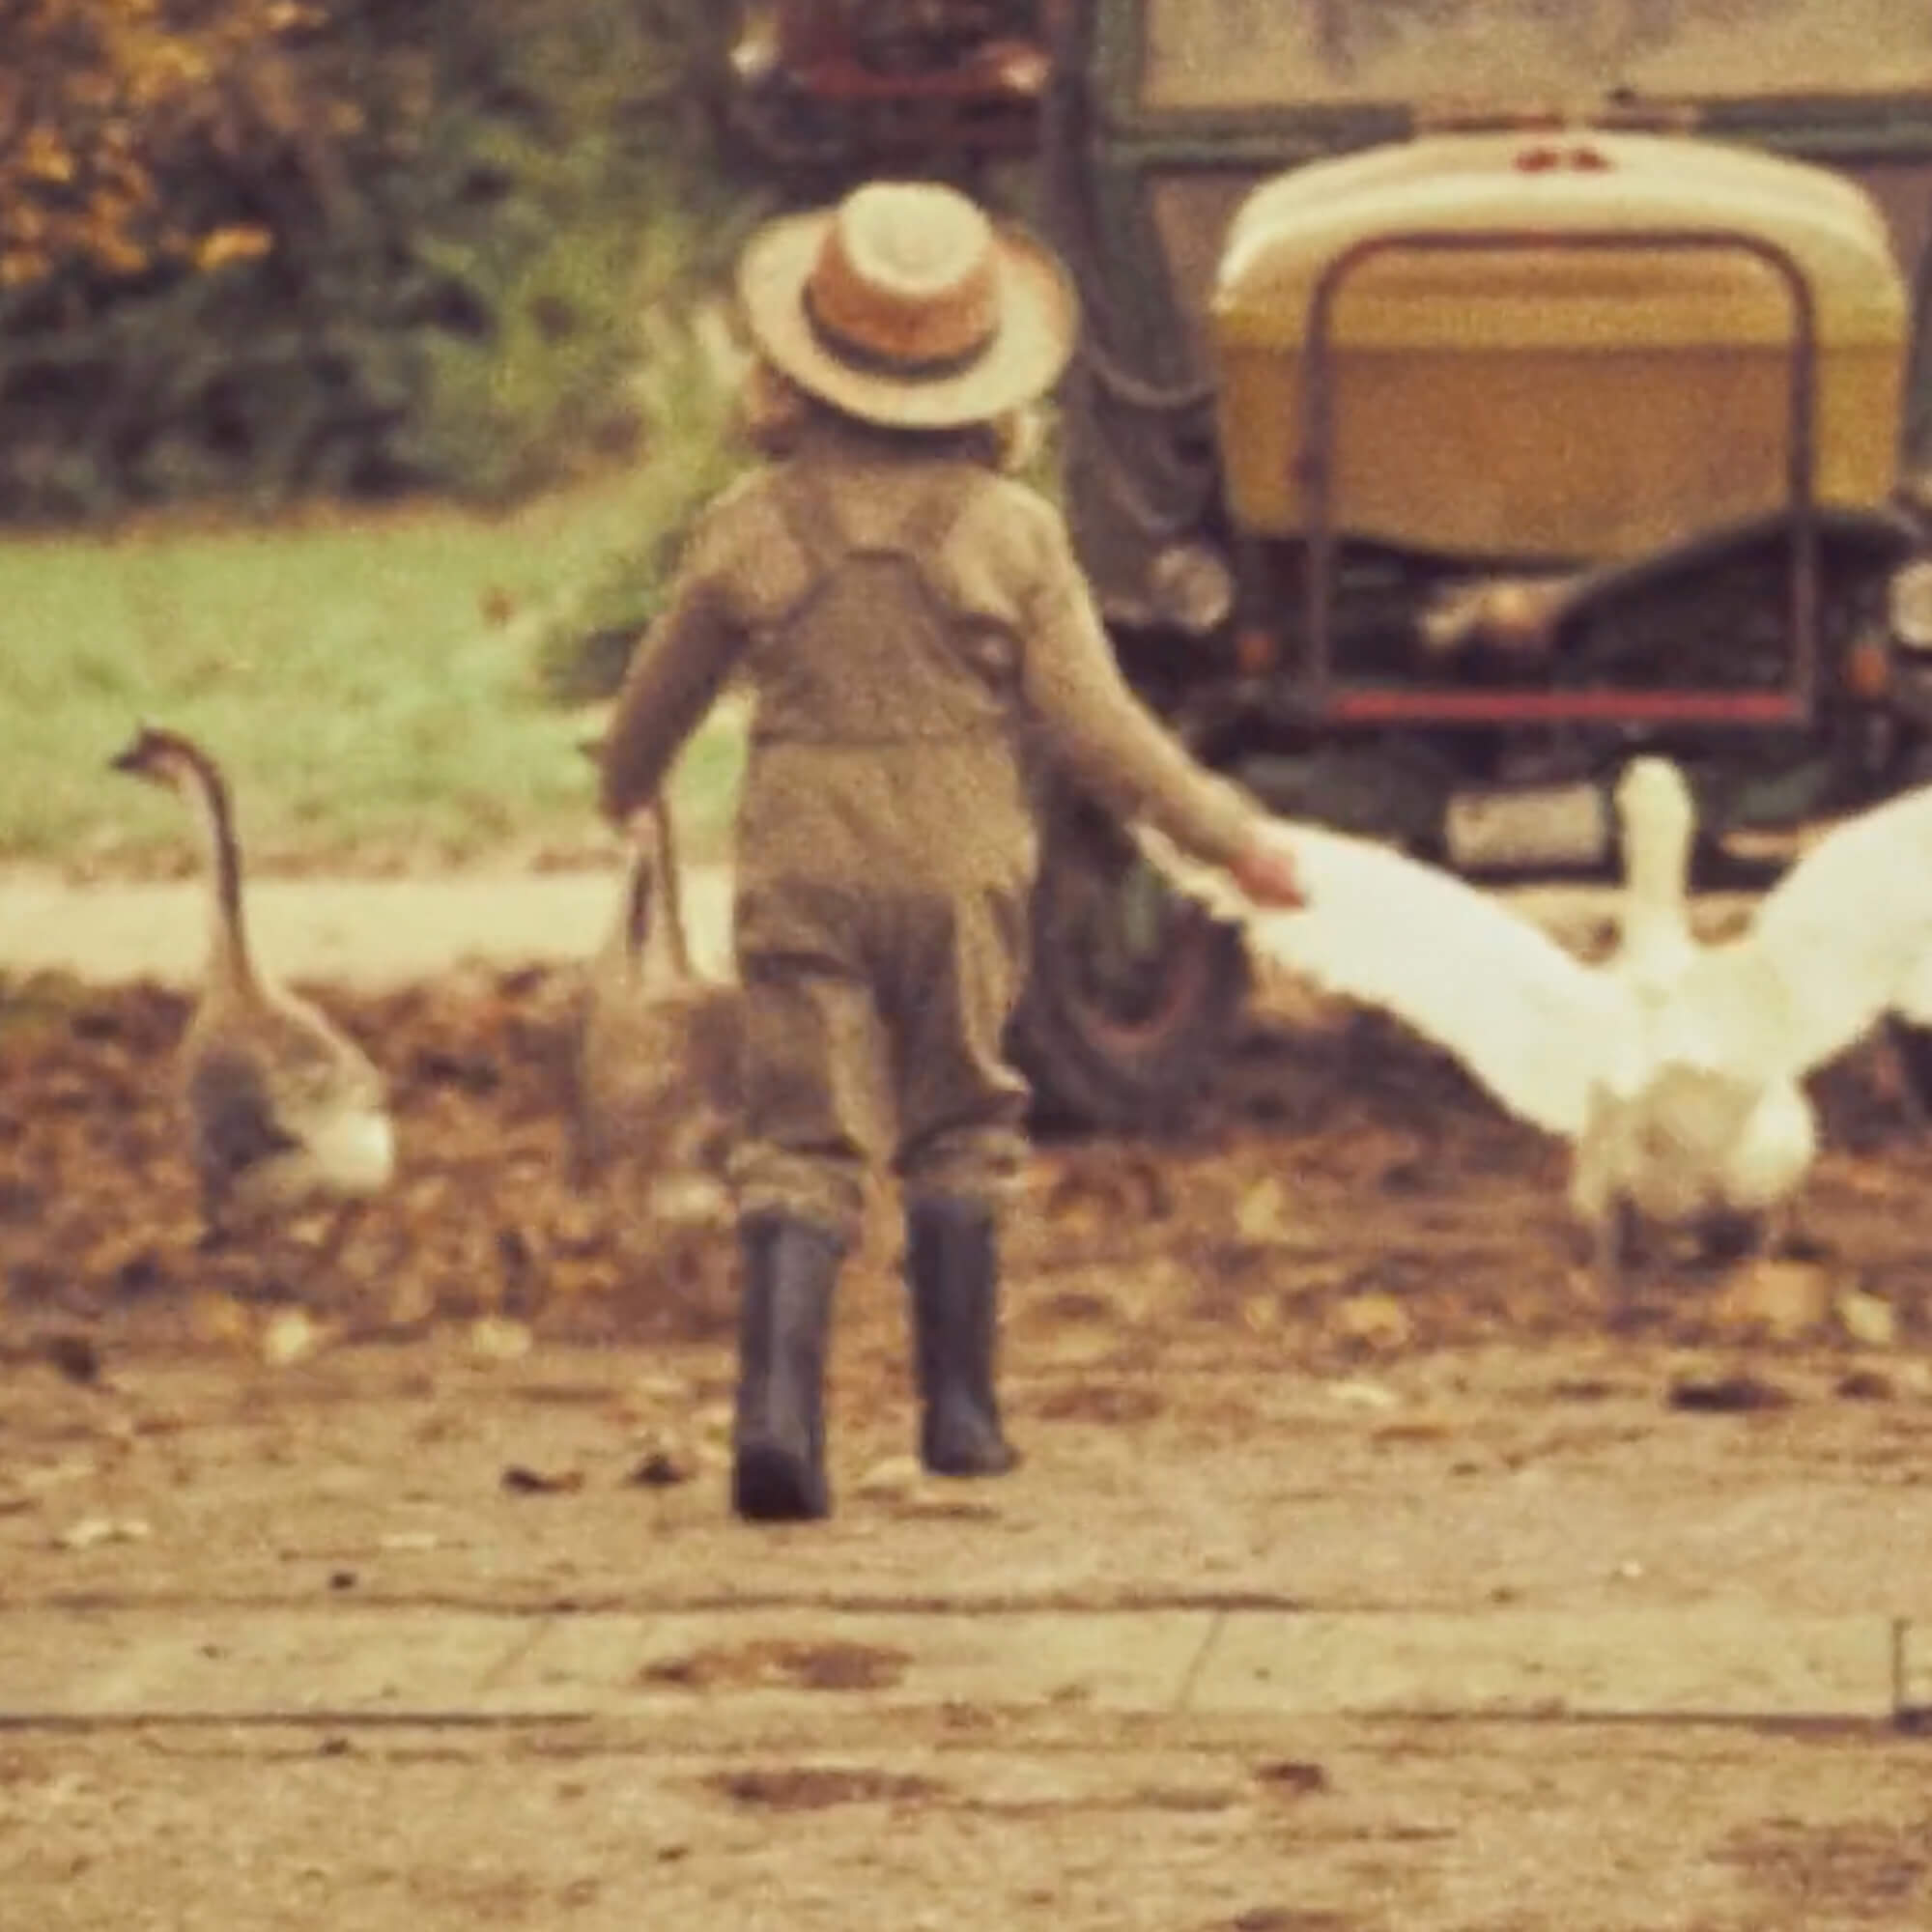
(1133, 994)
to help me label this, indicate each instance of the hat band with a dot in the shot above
(864, 357)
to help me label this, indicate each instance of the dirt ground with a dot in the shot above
(1329, 1350)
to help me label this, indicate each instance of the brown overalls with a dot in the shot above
(915, 632)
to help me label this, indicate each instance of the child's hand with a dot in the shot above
(1266, 869)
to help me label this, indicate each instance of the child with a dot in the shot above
(914, 628)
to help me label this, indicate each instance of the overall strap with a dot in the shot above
(930, 521)
(808, 516)
(814, 526)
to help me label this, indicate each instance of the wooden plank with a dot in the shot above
(1692, 1663)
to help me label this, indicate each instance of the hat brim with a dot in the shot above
(1039, 319)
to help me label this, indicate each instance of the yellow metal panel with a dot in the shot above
(1590, 403)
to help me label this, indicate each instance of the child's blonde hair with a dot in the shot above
(772, 408)
(774, 413)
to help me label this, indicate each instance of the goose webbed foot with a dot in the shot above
(1728, 1236)
(1909, 1048)
(343, 1223)
(1791, 1240)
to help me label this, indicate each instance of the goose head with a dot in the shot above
(1654, 808)
(1653, 792)
(176, 764)
(166, 758)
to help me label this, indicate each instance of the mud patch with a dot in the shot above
(1181, 1801)
(1114, 1404)
(818, 1788)
(1293, 1777)
(783, 1664)
(1739, 1393)
(942, 1509)
(1865, 1873)
(1290, 1919)
(1070, 1306)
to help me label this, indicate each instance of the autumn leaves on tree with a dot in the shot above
(103, 100)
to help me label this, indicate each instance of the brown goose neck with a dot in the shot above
(672, 876)
(229, 950)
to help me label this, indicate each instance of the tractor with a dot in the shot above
(1471, 394)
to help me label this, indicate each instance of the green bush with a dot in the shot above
(468, 212)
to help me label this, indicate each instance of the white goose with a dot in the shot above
(1674, 1070)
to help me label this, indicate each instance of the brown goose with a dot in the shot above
(285, 1112)
(656, 1061)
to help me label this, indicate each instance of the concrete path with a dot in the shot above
(381, 933)
(376, 933)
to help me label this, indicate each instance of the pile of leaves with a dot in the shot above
(1350, 1197)
(99, 1217)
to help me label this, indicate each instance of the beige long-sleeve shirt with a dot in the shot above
(1004, 568)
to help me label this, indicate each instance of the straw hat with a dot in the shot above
(905, 305)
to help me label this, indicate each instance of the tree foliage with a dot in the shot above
(269, 247)
(103, 100)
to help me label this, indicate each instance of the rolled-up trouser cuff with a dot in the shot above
(829, 1194)
(982, 1165)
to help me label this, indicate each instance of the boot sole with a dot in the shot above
(978, 1460)
(770, 1485)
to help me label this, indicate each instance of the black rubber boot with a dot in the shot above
(778, 1459)
(952, 1271)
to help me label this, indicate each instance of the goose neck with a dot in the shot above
(1657, 869)
(229, 956)
(671, 881)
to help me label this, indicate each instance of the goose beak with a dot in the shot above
(133, 761)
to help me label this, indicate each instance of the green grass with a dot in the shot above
(355, 675)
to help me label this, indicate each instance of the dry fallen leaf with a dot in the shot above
(411, 1541)
(1262, 1215)
(75, 1357)
(1372, 1320)
(411, 1300)
(90, 1532)
(1261, 1314)
(221, 1319)
(1365, 1395)
(893, 1480)
(290, 1336)
(520, 1480)
(1868, 1319)
(1782, 1300)
(495, 1338)
(660, 1389)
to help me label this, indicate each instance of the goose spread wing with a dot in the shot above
(1843, 938)
(1535, 1025)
